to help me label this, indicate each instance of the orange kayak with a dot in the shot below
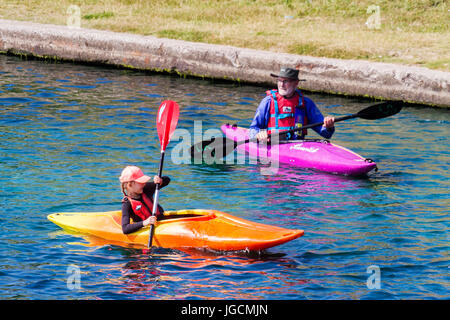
(195, 228)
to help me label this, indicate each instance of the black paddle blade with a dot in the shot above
(381, 110)
(213, 150)
(197, 149)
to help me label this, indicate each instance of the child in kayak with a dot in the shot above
(137, 204)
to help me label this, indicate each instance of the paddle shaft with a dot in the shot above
(373, 112)
(155, 199)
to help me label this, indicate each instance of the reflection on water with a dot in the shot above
(197, 274)
(66, 132)
(192, 273)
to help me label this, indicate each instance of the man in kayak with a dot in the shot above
(287, 108)
(137, 204)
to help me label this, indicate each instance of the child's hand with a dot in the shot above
(157, 180)
(149, 220)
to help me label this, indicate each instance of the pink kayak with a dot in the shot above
(320, 155)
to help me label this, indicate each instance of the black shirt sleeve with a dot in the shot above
(150, 187)
(127, 214)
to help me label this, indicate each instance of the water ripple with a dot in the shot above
(66, 137)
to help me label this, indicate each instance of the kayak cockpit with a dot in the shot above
(182, 215)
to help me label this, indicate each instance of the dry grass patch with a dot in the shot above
(409, 32)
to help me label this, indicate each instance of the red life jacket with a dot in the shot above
(282, 111)
(142, 210)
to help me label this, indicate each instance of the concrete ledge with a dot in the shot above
(347, 77)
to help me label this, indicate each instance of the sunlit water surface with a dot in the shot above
(68, 130)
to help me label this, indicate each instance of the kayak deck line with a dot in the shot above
(196, 228)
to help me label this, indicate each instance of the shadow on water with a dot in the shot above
(197, 253)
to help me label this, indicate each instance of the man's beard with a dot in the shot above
(286, 93)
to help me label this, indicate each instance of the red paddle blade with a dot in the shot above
(166, 121)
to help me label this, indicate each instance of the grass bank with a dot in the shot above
(399, 31)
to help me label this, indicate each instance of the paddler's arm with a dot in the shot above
(150, 186)
(314, 115)
(128, 227)
(261, 118)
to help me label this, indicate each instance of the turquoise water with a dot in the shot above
(68, 130)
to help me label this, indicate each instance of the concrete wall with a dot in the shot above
(348, 77)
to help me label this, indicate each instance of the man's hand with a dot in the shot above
(262, 136)
(328, 122)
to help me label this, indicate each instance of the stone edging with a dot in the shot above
(347, 77)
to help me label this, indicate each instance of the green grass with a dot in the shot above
(410, 32)
(98, 15)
